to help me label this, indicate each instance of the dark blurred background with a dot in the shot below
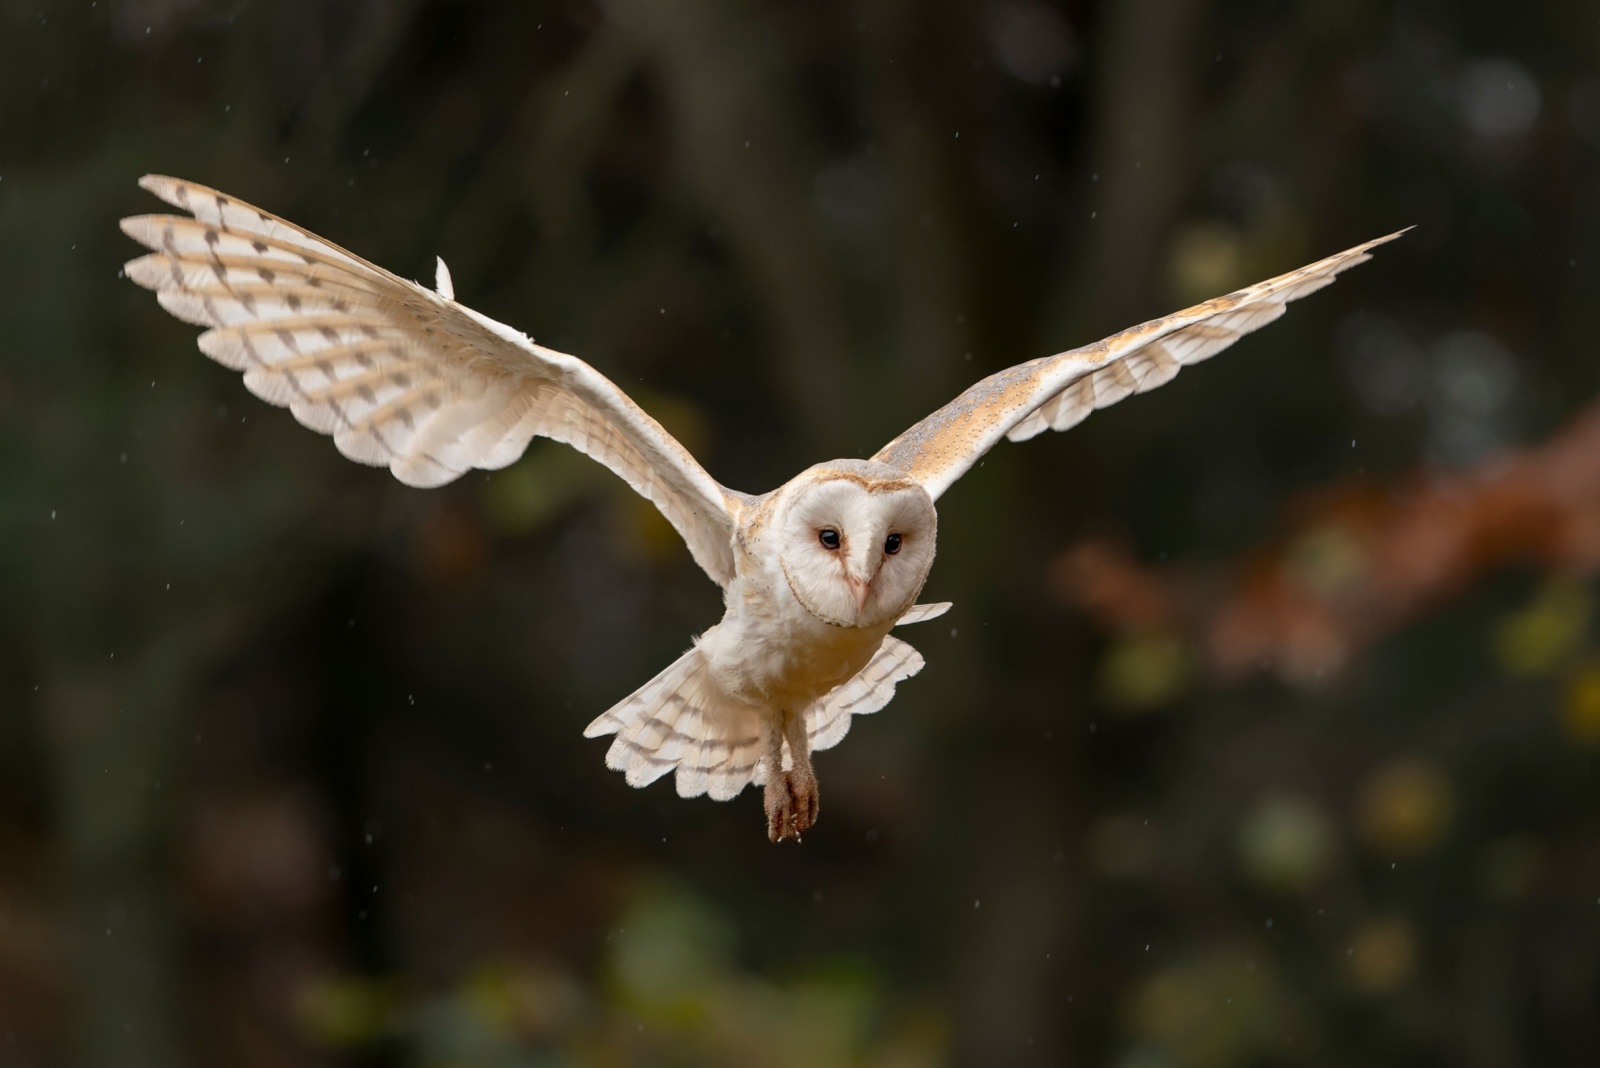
(1264, 730)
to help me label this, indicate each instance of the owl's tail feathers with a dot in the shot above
(680, 720)
(828, 721)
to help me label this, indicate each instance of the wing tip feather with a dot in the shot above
(174, 191)
(1356, 255)
(602, 725)
(135, 226)
(150, 270)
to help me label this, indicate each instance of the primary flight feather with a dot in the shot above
(814, 574)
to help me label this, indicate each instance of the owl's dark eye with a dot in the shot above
(829, 538)
(891, 545)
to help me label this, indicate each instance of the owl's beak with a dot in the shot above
(861, 588)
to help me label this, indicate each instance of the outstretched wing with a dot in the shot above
(1056, 392)
(400, 375)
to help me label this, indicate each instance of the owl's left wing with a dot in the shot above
(1057, 392)
(402, 376)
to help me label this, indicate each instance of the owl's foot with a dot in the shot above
(792, 803)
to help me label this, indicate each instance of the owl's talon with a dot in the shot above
(792, 804)
(776, 798)
(803, 788)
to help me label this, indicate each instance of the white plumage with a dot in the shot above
(814, 574)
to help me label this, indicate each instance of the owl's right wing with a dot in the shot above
(400, 375)
(1057, 392)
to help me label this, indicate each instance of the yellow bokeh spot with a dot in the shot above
(345, 1011)
(1382, 955)
(1206, 259)
(1580, 712)
(1403, 808)
(1286, 843)
(1142, 673)
(1221, 1008)
(1539, 638)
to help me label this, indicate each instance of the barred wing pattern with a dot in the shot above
(680, 722)
(402, 376)
(1057, 392)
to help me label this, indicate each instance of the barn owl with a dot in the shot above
(814, 574)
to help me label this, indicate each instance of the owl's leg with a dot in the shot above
(776, 796)
(802, 779)
(791, 796)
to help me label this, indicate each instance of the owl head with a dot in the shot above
(857, 541)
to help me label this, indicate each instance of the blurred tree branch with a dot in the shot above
(930, 290)
(744, 157)
(1141, 152)
(116, 737)
(1357, 561)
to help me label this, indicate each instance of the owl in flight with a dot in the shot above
(814, 574)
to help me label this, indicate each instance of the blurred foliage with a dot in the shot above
(1264, 730)
(1286, 843)
(672, 992)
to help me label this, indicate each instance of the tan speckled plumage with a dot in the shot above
(405, 377)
